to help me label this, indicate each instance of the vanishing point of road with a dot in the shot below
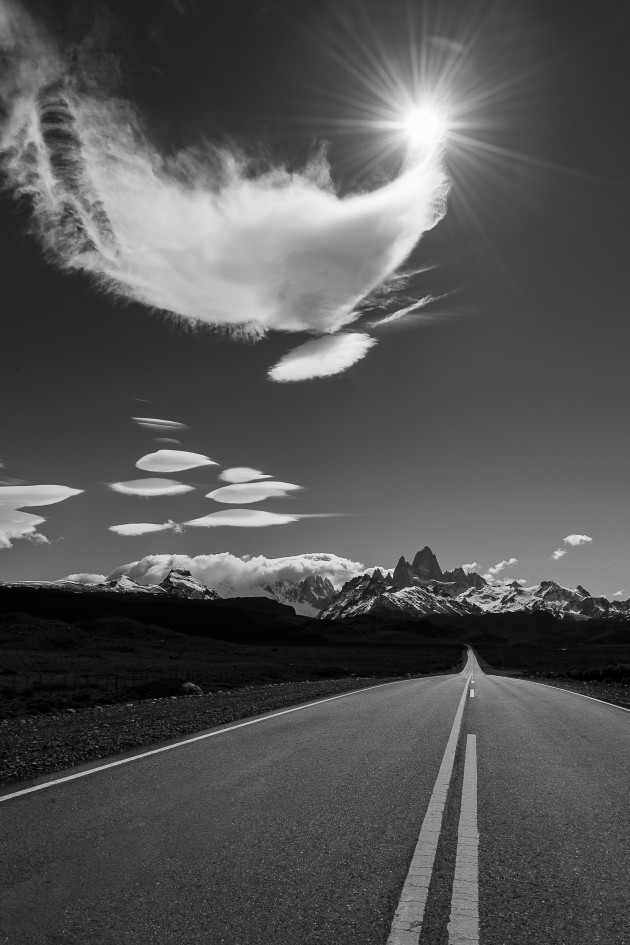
(466, 808)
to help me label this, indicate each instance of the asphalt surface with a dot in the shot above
(299, 829)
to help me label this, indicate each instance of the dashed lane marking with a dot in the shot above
(409, 915)
(472, 693)
(463, 928)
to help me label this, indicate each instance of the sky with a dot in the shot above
(210, 214)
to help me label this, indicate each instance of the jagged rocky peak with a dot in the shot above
(317, 590)
(465, 578)
(180, 583)
(403, 573)
(425, 565)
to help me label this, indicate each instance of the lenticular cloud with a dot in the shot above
(154, 423)
(322, 357)
(29, 496)
(173, 461)
(242, 474)
(133, 529)
(243, 518)
(210, 239)
(147, 488)
(252, 492)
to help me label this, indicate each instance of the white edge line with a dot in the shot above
(571, 692)
(198, 738)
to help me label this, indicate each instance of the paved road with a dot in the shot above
(306, 828)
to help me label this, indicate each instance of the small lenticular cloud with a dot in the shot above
(252, 492)
(242, 474)
(140, 528)
(147, 488)
(242, 518)
(322, 357)
(152, 423)
(173, 461)
(212, 238)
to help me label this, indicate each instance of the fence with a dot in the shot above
(51, 681)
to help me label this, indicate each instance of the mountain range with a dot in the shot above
(422, 589)
(416, 589)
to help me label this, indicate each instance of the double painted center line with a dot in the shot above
(463, 927)
(408, 917)
(464, 924)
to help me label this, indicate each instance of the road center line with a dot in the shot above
(472, 693)
(407, 922)
(463, 928)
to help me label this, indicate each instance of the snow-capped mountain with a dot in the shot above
(421, 588)
(373, 594)
(307, 597)
(180, 583)
(575, 603)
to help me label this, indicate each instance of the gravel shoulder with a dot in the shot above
(33, 746)
(617, 693)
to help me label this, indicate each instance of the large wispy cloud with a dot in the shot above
(210, 237)
(244, 575)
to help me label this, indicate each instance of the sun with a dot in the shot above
(425, 126)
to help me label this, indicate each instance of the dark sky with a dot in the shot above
(491, 430)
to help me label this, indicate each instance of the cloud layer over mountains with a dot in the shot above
(208, 236)
(244, 575)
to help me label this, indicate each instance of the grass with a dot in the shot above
(118, 659)
(596, 663)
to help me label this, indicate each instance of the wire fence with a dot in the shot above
(71, 682)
